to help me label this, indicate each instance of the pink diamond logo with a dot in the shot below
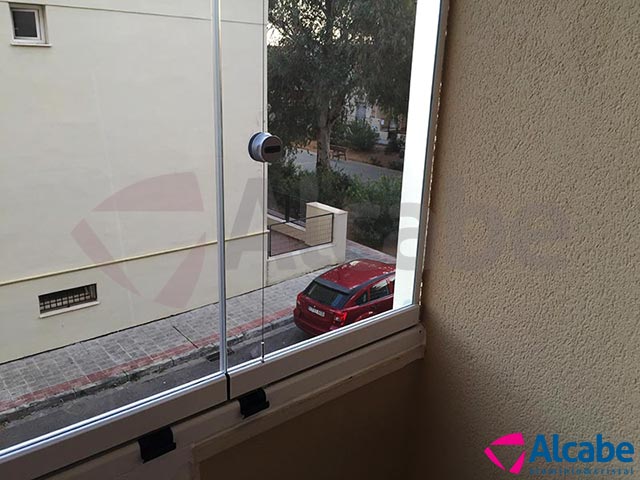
(512, 439)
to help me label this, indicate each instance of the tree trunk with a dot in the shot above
(323, 160)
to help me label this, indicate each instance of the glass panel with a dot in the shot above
(325, 294)
(243, 82)
(337, 94)
(109, 278)
(25, 23)
(362, 299)
(380, 290)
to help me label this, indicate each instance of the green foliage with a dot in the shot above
(284, 189)
(339, 133)
(284, 175)
(396, 143)
(328, 51)
(290, 188)
(291, 115)
(374, 211)
(390, 25)
(361, 136)
(357, 134)
(373, 206)
(332, 186)
(396, 164)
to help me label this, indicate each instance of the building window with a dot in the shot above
(28, 24)
(68, 298)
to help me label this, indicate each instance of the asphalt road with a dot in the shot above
(307, 161)
(70, 412)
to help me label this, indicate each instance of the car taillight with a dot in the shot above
(298, 299)
(340, 318)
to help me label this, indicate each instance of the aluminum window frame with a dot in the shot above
(202, 436)
(118, 428)
(429, 36)
(41, 29)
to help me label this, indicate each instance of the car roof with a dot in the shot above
(356, 273)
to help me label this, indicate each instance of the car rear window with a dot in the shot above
(326, 295)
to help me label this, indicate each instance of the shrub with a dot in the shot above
(396, 164)
(374, 211)
(284, 181)
(360, 135)
(396, 143)
(373, 206)
(283, 174)
(290, 188)
(339, 134)
(326, 186)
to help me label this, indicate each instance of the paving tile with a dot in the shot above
(100, 362)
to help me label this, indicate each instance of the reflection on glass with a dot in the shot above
(108, 249)
(338, 76)
(109, 285)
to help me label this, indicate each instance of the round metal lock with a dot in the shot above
(264, 147)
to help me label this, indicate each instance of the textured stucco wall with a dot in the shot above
(533, 285)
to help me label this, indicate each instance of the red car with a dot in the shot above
(346, 294)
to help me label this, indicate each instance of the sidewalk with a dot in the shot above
(49, 378)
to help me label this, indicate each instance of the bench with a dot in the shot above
(338, 152)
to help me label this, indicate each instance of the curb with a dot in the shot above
(211, 352)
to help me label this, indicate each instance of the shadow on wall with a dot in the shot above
(367, 434)
(461, 386)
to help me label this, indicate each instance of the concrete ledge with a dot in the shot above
(299, 262)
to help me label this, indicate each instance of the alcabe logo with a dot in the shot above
(568, 457)
(512, 439)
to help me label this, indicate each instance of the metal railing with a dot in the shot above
(290, 236)
(288, 207)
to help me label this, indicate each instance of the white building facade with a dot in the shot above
(107, 183)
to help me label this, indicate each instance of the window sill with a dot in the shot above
(307, 390)
(204, 411)
(29, 44)
(223, 427)
(70, 309)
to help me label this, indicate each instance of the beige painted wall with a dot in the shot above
(533, 284)
(124, 95)
(24, 332)
(115, 101)
(531, 294)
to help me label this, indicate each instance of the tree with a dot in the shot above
(325, 52)
(387, 85)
